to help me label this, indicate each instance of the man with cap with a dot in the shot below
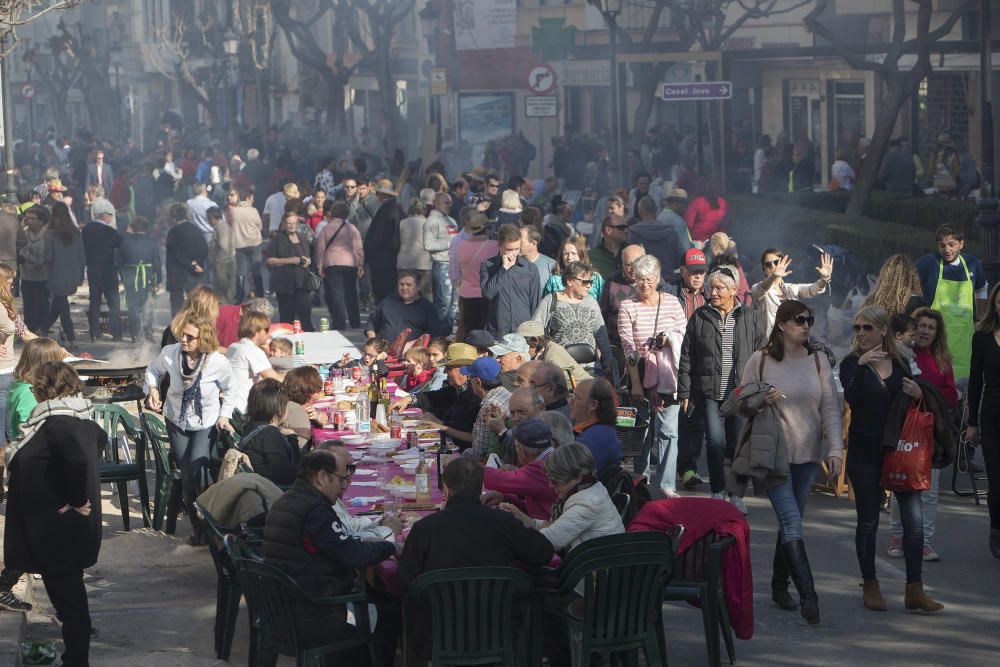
(405, 309)
(511, 351)
(540, 348)
(527, 486)
(665, 237)
(481, 340)
(484, 378)
(382, 241)
(606, 258)
(101, 241)
(456, 405)
(689, 286)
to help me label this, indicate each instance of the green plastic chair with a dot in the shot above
(471, 615)
(167, 496)
(622, 577)
(699, 576)
(114, 419)
(271, 596)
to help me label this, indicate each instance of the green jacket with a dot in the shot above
(20, 403)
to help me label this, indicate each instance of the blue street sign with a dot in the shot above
(705, 90)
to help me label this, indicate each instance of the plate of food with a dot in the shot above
(353, 440)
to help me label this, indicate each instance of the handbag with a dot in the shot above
(314, 282)
(908, 466)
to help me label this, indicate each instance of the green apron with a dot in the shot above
(956, 301)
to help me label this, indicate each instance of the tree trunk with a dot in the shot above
(387, 91)
(103, 107)
(885, 121)
(336, 118)
(648, 79)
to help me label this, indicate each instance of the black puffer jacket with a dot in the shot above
(699, 374)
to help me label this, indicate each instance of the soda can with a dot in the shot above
(324, 324)
(396, 431)
(328, 388)
(356, 373)
(338, 421)
(412, 439)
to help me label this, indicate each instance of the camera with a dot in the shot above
(658, 341)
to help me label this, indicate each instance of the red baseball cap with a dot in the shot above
(695, 258)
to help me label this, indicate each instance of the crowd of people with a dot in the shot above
(521, 333)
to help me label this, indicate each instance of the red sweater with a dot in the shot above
(529, 483)
(942, 379)
(703, 220)
(699, 516)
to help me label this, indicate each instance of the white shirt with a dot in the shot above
(247, 362)
(274, 208)
(216, 380)
(769, 301)
(198, 213)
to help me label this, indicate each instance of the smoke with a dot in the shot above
(142, 355)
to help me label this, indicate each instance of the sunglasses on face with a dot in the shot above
(189, 337)
(804, 320)
(586, 283)
(863, 327)
(774, 262)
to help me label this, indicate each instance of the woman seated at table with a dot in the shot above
(528, 483)
(271, 453)
(372, 358)
(419, 369)
(303, 387)
(583, 511)
(573, 316)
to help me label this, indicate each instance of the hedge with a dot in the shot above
(927, 213)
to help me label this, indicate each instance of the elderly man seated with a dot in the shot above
(484, 376)
(550, 381)
(541, 348)
(594, 413)
(305, 538)
(526, 486)
(510, 351)
(524, 403)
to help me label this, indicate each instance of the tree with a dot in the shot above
(303, 45)
(373, 40)
(172, 54)
(16, 13)
(89, 70)
(56, 78)
(899, 84)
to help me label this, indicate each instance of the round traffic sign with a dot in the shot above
(541, 79)
(27, 91)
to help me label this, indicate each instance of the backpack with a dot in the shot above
(572, 323)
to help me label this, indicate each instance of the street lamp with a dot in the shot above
(29, 65)
(989, 218)
(610, 10)
(231, 47)
(429, 16)
(428, 24)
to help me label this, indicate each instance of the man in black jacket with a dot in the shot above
(382, 241)
(510, 283)
(405, 309)
(304, 537)
(187, 255)
(101, 241)
(467, 534)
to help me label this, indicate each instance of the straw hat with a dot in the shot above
(384, 186)
(459, 354)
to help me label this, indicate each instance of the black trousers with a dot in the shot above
(296, 306)
(383, 277)
(474, 313)
(690, 438)
(59, 310)
(8, 578)
(340, 287)
(105, 286)
(36, 303)
(69, 597)
(989, 436)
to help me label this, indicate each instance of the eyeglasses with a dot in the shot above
(646, 281)
(350, 187)
(189, 337)
(804, 320)
(340, 477)
(863, 327)
(773, 262)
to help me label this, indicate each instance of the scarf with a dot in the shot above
(69, 406)
(190, 384)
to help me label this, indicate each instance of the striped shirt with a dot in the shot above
(727, 328)
(637, 322)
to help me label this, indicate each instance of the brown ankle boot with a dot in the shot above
(872, 595)
(917, 599)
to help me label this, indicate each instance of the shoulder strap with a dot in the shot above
(251, 434)
(815, 359)
(760, 369)
(334, 237)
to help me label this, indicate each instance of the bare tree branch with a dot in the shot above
(814, 24)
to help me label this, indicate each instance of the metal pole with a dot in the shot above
(988, 218)
(8, 131)
(699, 122)
(616, 134)
(31, 113)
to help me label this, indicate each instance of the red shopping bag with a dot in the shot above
(908, 467)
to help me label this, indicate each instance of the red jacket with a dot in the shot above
(703, 220)
(942, 379)
(529, 483)
(699, 516)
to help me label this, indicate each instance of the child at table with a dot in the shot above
(419, 370)
(272, 454)
(372, 359)
(281, 354)
(20, 400)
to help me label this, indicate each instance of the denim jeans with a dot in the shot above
(445, 302)
(666, 450)
(191, 449)
(789, 500)
(248, 276)
(719, 431)
(865, 478)
(929, 505)
(691, 437)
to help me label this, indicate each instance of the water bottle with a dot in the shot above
(362, 412)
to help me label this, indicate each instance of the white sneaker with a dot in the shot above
(738, 503)
(721, 495)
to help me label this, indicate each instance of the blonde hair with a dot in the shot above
(201, 303)
(897, 283)
(720, 243)
(208, 340)
(879, 318)
(6, 296)
(35, 353)
(510, 200)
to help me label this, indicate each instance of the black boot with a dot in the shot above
(798, 567)
(779, 580)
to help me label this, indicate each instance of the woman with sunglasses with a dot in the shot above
(720, 337)
(805, 396)
(200, 380)
(872, 375)
(984, 406)
(572, 315)
(772, 290)
(651, 327)
(572, 250)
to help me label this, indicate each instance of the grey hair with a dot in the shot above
(647, 265)
(260, 305)
(558, 423)
(569, 462)
(549, 373)
(536, 400)
(417, 207)
(427, 196)
(718, 276)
